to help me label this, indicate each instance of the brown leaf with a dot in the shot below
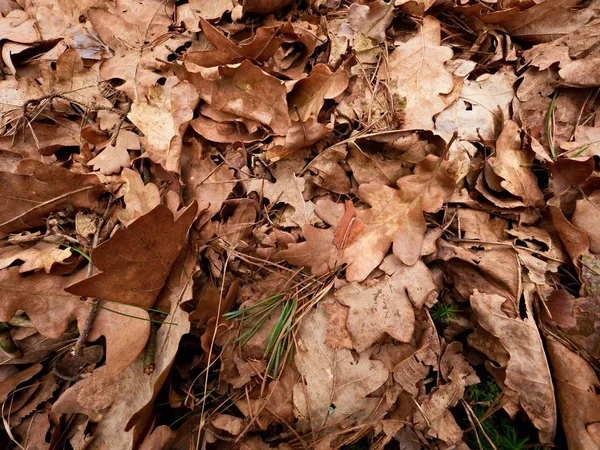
(17, 26)
(417, 76)
(163, 117)
(138, 32)
(371, 20)
(246, 91)
(542, 22)
(332, 378)
(576, 388)
(481, 109)
(310, 93)
(331, 175)
(238, 228)
(74, 81)
(396, 216)
(264, 6)
(115, 157)
(42, 255)
(526, 371)
(137, 276)
(205, 182)
(139, 199)
(381, 309)
(10, 383)
(317, 252)
(42, 189)
(261, 48)
(511, 163)
(288, 188)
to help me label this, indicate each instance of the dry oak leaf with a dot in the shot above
(262, 47)
(17, 26)
(526, 371)
(396, 217)
(384, 308)
(136, 261)
(330, 174)
(139, 33)
(288, 189)
(317, 251)
(482, 107)
(417, 76)
(309, 94)
(246, 91)
(587, 216)
(139, 198)
(543, 22)
(333, 377)
(42, 189)
(371, 20)
(205, 182)
(163, 116)
(43, 255)
(512, 163)
(576, 388)
(114, 157)
(76, 82)
(210, 9)
(51, 309)
(13, 94)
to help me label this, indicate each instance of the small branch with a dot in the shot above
(7, 344)
(89, 321)
(150, 351)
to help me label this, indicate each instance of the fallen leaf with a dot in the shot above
(153, 241)
(576, 384)
(43, 189)
(42, 255)
(246, 91)
(163, 117)
(511, 163)
(523, 361)
(335, 386)
(385, 308)
(417, 76)
(484, 102)
(371, 20)
(310, 93)
(139, 198)
(115, 156)
(396, 217)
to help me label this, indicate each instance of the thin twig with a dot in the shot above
(89, 321)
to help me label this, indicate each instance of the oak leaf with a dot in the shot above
(523, 361)
(115, 156)
(163, 116)
(396, 217)
(371, 20)
(139, 198)
(417, 76)
(262, 47)
(42, 189)
(576, 384)
(246, 91)
(310, 93)
(42, 255)
(138, 32)
(333, 379)
(137, 276)
(511, 164)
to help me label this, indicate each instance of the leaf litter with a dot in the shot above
(267, 224)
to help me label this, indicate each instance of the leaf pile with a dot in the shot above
(270, 224)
